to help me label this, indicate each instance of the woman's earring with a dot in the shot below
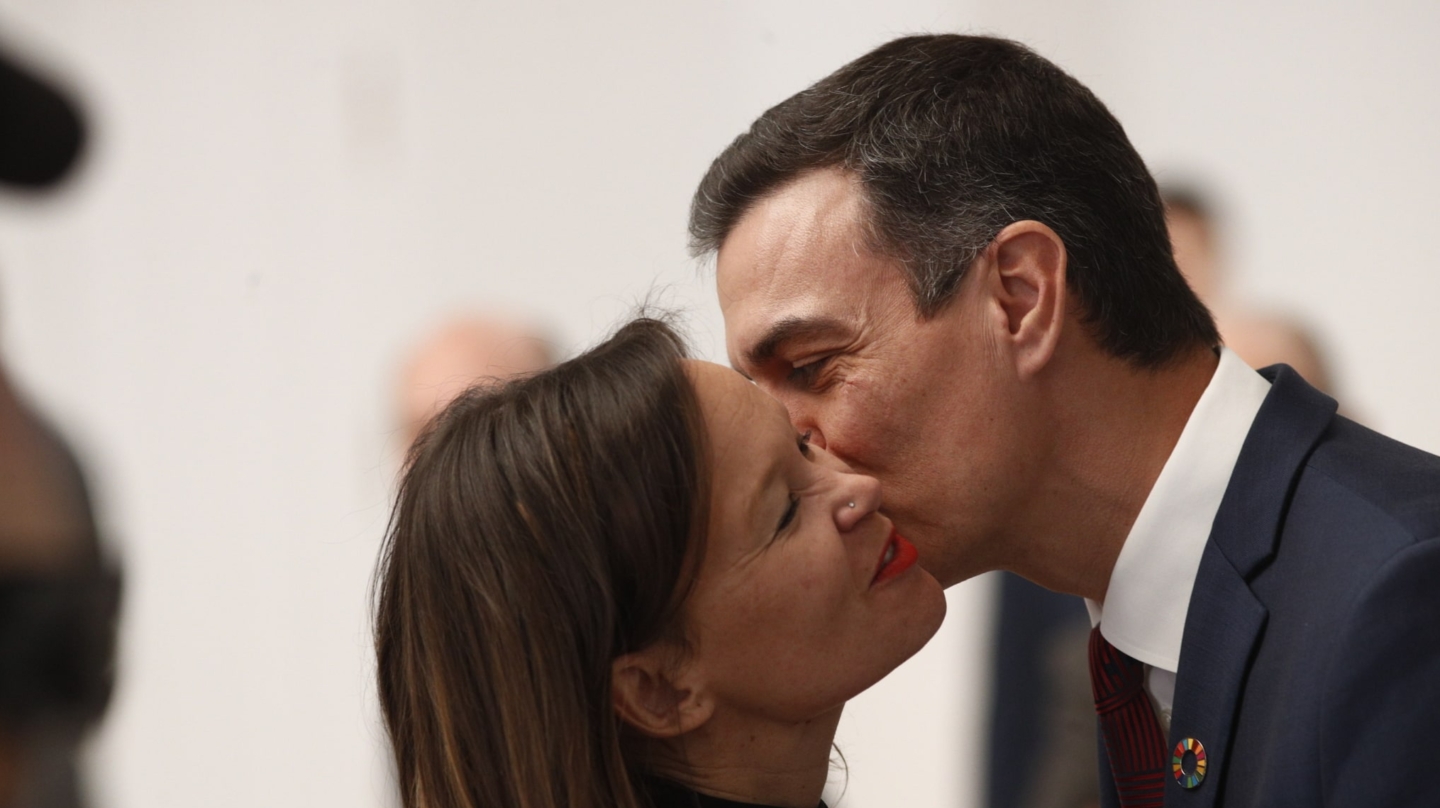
(852, 503)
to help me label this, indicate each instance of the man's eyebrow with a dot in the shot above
(784, 330)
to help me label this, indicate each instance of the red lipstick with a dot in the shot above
(899, 555)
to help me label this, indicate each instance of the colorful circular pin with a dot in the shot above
(1189, 763)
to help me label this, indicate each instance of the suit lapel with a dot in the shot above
(1225, 621)
(1214, 660)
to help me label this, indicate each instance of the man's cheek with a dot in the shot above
(859, 438)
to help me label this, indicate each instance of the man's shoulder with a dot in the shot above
(1344, 667)
(1368, 475)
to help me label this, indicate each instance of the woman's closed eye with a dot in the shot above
(802, 441)
(790, 512)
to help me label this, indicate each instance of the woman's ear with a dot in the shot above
(656, 696)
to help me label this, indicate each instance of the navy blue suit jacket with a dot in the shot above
(1310, 667)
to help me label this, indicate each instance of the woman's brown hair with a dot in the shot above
(543, 528)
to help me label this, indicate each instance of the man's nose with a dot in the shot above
(805, 422)
(801, 417)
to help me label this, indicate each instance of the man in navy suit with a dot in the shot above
(949, 264)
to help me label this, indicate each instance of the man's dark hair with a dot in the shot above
(952, 138)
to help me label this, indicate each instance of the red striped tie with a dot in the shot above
(1132, 734)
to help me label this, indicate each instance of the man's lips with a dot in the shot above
(899, 555)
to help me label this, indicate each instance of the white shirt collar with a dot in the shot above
(1149, 592)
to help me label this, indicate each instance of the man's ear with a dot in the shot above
(1027, 263)
(658, 696)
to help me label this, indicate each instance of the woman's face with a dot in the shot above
(802, 601)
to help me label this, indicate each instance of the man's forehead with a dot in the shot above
(792, 256)
(808, 218)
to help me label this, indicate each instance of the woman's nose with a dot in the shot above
(859, 496)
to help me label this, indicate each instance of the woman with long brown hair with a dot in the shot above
(626, 582)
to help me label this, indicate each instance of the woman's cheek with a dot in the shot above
(822, 583)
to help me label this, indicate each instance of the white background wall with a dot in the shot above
(283, 194)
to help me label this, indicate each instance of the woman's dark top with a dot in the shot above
(665, 794)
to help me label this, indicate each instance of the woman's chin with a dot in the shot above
(929, 606)
(917, 607)
(927, 610)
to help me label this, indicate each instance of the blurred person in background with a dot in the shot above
(1260, 338)
(59, 595)
(459, 353)
(1041, 707)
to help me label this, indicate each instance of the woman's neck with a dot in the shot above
(755, 760)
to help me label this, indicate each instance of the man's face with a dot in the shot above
(831, 329)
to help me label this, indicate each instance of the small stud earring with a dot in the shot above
(852, 504)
